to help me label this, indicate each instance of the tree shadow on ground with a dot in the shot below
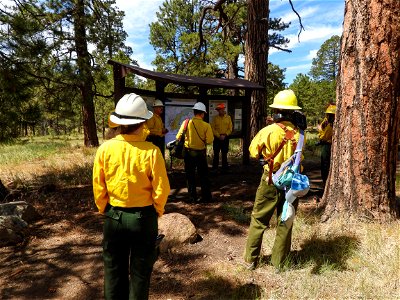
(322, 254)
(182, 282)
(44, 272)
(330, 253)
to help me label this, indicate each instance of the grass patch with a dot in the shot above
(237, 213)
(46, 160)
(311, 149)
(29, 150)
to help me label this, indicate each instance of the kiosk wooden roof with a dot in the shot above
(121, 70)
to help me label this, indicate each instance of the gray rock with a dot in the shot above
(12, 229)
(21, 209)
(14, 219)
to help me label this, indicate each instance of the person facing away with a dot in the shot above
(130, 187)
(197, 136)
(325, 133)
(156, 126)
(222, 128)
(268, 198)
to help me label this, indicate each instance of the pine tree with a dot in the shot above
(48, 42)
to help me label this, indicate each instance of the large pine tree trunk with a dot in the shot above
(256, 58)
(86, 78)
(366, 133)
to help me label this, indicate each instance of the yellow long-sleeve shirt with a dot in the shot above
(221, 125)
(268, 139)
(325, 131)
(155, 125)
(129, 172)
(198, 134)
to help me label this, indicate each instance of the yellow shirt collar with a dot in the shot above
(131, 137)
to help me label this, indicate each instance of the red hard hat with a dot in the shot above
(220, 106)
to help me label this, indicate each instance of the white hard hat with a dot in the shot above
(157, 103)
(131, 109)
(200, 106)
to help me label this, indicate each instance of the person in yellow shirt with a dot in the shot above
(325, 133)
(156, 126)
(198, 135)
(268, 198)
(222, 128)
(130, 187)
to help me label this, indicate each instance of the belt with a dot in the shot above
(133, 209)
(191, 149)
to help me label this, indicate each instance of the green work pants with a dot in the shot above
(325, 161)
(197, 160)
(129, 251)
(223, 147)
(268, 198)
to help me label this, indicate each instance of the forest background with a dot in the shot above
(42, 75)
(54, 80)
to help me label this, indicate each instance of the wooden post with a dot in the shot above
(245, 126)
(160, 94)
(119, 82)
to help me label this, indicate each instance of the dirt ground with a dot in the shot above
(60, 257)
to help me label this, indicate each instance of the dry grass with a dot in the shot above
(339, 259)
(45, 161)
(342, 259)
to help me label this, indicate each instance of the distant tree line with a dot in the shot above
(317, 89)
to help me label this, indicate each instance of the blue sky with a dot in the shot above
(321, 20)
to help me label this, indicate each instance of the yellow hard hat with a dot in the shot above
(331, 109)
(285, 99)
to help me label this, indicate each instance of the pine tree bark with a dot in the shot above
(85, 77)
(367, 126)
(256, 58)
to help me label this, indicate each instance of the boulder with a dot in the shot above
(11, 230)
(21, 209)
(14, 219)
(178, 230)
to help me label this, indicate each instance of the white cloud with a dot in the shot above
(138, 16)
(275, 5)
(304, 14)
(313, 35)
(311, 54)
(299, 67)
